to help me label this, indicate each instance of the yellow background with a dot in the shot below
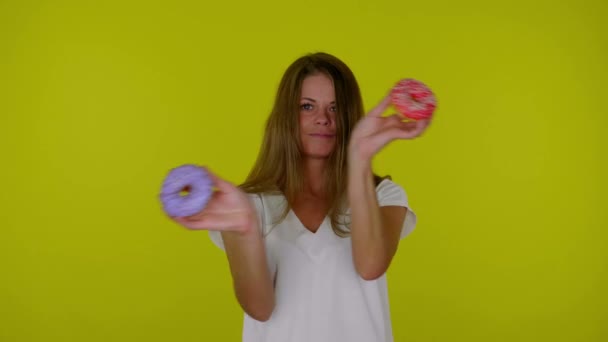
(99, 100)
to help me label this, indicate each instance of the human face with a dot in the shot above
(318, 116)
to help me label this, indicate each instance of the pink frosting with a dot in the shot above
(413, 99)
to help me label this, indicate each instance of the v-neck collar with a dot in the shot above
(303, 227)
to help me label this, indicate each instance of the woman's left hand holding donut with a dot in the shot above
(374, 131)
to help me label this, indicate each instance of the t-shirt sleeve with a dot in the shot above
(216, 236)
(390, 193)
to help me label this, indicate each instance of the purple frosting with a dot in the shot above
(200, 190)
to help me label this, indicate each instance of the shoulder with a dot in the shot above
(269, 206)
(267, 201)
(390, 192)
(265, 206)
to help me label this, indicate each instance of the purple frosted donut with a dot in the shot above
(192, 179)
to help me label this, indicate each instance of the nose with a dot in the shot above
(324, 118)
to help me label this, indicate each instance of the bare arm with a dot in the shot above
(231, 212)
(375, 230)
(251, 276)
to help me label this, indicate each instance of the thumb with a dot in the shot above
(381, 107)
(218, 182)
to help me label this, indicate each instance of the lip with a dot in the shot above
(319, 135)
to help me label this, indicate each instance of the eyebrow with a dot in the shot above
(312, 100)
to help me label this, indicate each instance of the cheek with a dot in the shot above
(306, 125)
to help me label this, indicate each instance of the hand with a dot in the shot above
(374, 131)
(228, 209)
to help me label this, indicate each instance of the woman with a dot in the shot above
(312, 231)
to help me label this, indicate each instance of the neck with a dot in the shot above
(314, 179)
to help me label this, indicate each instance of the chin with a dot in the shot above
(317, 155)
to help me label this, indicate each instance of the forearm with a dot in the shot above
(369, 243)
(251, 277)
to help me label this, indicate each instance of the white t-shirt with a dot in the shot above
(319, 295)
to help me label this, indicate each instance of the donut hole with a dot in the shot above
(185, 191)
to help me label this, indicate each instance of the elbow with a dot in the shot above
(372, 265)
(260, 310)
(370, 275)
(370, 271)
(260, 314)
(257, 299)
(371, 268)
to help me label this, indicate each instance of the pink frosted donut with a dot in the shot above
(413, 99)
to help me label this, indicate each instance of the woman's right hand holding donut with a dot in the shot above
(228, 209)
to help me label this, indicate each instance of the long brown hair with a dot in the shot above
(278, 168)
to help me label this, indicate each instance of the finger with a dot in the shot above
(412, 130)
(414, 126)
(409, 126)
(425, 122)
(383, 138)
(396, 121)
(227, 221)
(421, 126)
(190, 224)
(216, 221)
(381, 107)
(219, 183)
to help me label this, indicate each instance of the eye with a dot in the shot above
(306, 106)
(333, 109)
